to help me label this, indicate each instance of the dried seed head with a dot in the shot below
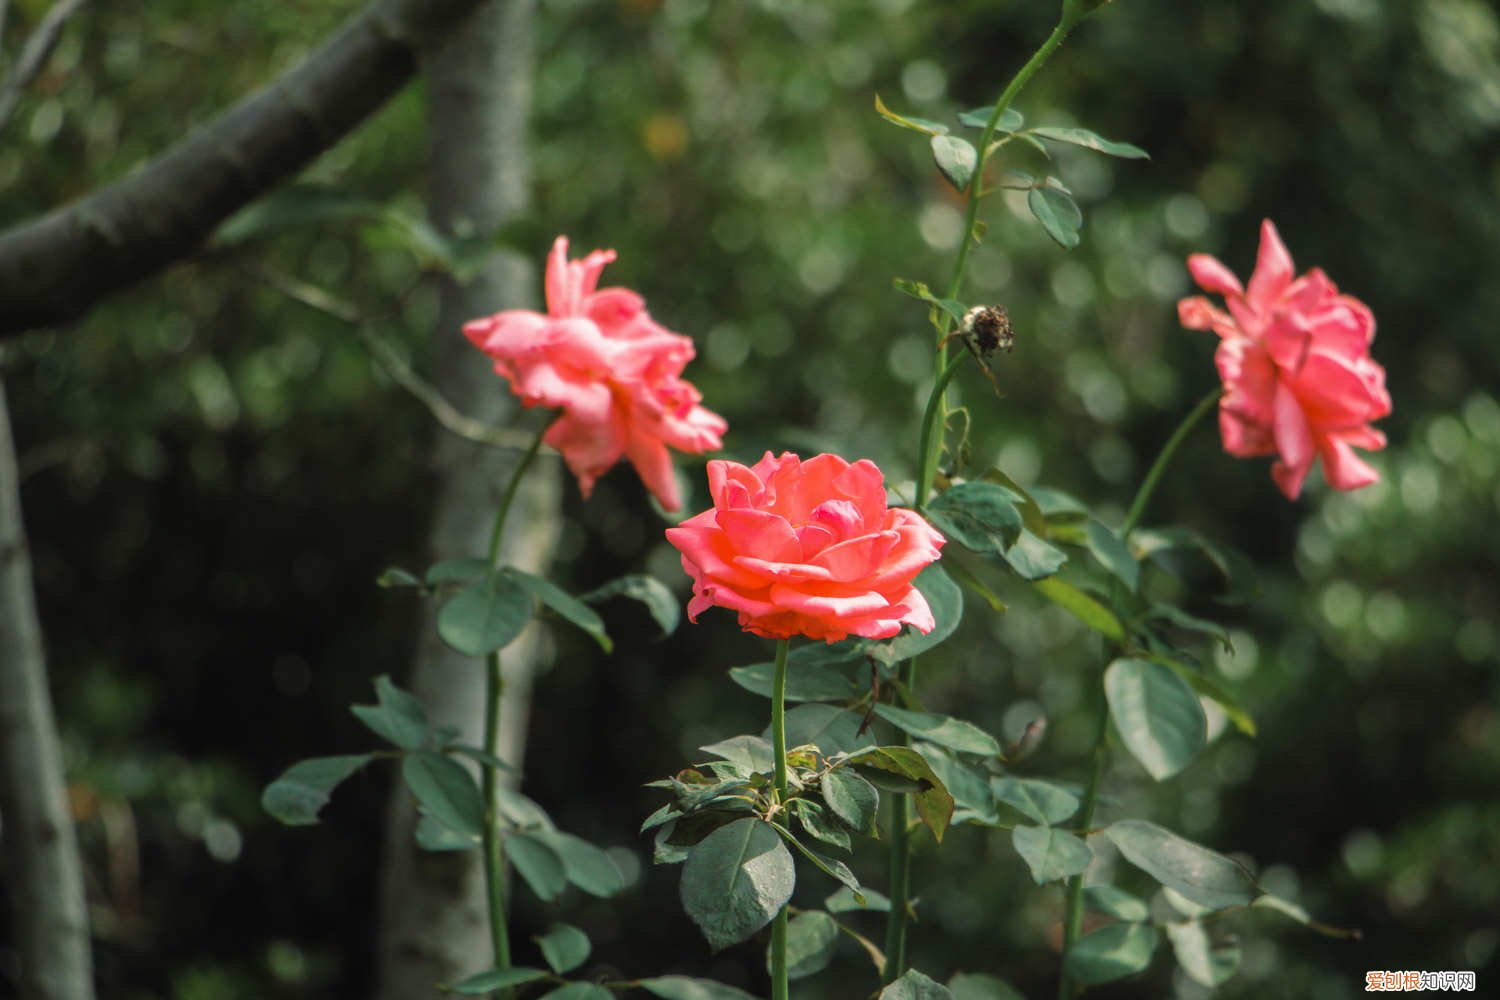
(988, 329)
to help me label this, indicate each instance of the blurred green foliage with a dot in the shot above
(215, 474)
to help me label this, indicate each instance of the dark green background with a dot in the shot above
(215, 475)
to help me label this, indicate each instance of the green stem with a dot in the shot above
(932, 434)
(1148, 486)
(1073, 919)
(778, 751)
(510, 494)
(494, 843)
(900, 871)
(975, 194)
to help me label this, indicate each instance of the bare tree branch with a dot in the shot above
(34, 55)
(56, 268)
(45, 876)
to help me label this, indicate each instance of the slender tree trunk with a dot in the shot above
(44, 877)
(432, 905)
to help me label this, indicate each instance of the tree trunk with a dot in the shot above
(49, 920)
(433, 912)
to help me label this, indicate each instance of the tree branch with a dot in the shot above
(48, 914)
(34, 54)
(56, 268)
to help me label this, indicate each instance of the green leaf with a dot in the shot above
(1192, 623)
(947, 603)
(977, 986)
(478, 756)
(810, 939)
(736, 880)
(1113, 554)
(955, 160)
(1081, 606)
(398, 717)
(832, 730)
(1204, 876)
(1288, 908)
(1034, 798)
(565, 604)
(1057, 212)
(1083, 137)
(831, 867)
(934, 804)
(809, 682)
(980, 516)
(945, 731)
(1234, 570)
(538, 864)
(818, 824)
(1159, 718)
(303, 789)
(1211, 689)
(578, 991)
(845, 901)
(851, 798)
(395, 576)
(648, 590)
(485, 617)
(1112, 952)
(565, 947)
(446, 790)
(1051, 854)
(923, 125)
(684, 988)
(970, 789)
(457, 571)
(521, 811)
(750, 754)
(587, 866)
(432, 835)
(1010, 118)
(1116, 903)
(1202, 960)
(914, 985)
(1034, 559)
(495, 979)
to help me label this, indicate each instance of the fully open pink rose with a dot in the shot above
(1294, 355)
(807, 548)
(613, 370)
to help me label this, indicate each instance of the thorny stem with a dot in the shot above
(778, 751)
(1148, 486)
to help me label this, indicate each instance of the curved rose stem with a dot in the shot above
(778, 752)
(1148, 486)
(1070, 18)
(1073, 918)
(932, 433)
(510, 493)
(494, 845)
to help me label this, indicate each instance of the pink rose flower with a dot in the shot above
(807, 548)
(1294, 354)
(613, 370)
